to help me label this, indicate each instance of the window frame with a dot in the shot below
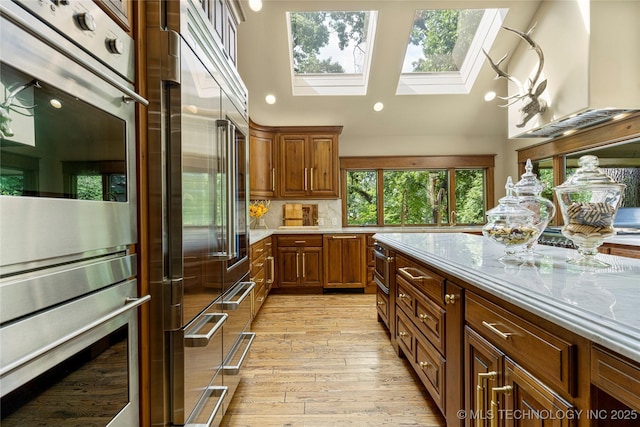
(448, 163)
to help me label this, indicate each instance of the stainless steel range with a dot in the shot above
(68, 287)
(200, 309)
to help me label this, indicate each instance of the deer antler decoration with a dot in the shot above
(529, 93)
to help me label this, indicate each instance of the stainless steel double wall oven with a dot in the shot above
(68, 288)
(198, 127)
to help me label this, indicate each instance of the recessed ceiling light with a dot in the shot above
(55, 103)
(378, 106)
(270, 99)
(255, 5)
(489, 96)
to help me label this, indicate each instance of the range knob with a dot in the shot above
(115, 45)
(86, 21)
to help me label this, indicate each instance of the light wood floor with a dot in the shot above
(324, 360)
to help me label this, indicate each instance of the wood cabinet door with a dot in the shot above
(323, 166)
(344, 261)
(293, 170)
(311, 266)
(262, 182)
(483, 370)
(533, 402)
(288, 267)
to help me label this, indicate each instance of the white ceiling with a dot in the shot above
(263, 63)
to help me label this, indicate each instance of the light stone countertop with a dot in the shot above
(255, 235)
(602, 305)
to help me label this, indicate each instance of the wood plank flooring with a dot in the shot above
(324, 360)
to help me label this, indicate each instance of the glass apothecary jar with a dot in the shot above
(588, 200)
(529, 191)
(510, 225)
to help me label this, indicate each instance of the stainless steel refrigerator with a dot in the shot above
(201, 305)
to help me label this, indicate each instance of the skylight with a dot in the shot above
(330, 52)
(444, 51)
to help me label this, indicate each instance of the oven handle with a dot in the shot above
(130, 304)
(234, 305)
(213, 391)
(202, 340)
(130, 94)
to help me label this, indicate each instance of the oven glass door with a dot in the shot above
(67, 155)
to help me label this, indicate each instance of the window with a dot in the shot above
(330, 51)
(416, 191)
(444, 51)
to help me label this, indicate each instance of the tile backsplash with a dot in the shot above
(329, 213)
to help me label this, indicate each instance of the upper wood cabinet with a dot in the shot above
(302, 162)
(262, 155)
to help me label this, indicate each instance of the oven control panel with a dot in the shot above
(87, 26)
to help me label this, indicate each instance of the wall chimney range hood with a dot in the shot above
(592, 63)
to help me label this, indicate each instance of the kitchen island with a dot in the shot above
(549, 335)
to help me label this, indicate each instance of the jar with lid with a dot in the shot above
(510, 225)
(529, 191)
(588, 200)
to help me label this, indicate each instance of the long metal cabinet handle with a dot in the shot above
(311, 178)
(130, 94)
(202, 340)
(305, 179)
(304, 267)
(492, 375)
(273, 179)
(245, 288)
(272, 262)
(213, 391)
(495, 405)
(235, 369)
(297, 264)
(351, 236)
(492, 328)
(130, 303)
(405, 272)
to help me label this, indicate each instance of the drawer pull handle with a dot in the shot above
(259, 264)
(423, 317)
(492, 328)
(450, 299)
(380, 303)
(424, 365)
(403, 297)
(405, 272)
(389, 259)
(350, 236)
(495, 405)
(482, 376)
(403, 334)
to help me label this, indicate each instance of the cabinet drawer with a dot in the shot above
(616, 376)
(404, 297)
(425, 280)
(257, 265)
(259, 278)
(258, 298)
(430, 366)
(382, 304)
(404, 335)
(430, 320)
(300, 240)
(551, 357)
(428, 317)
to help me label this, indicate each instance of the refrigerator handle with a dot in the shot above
(232, 183)
(226, 138)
